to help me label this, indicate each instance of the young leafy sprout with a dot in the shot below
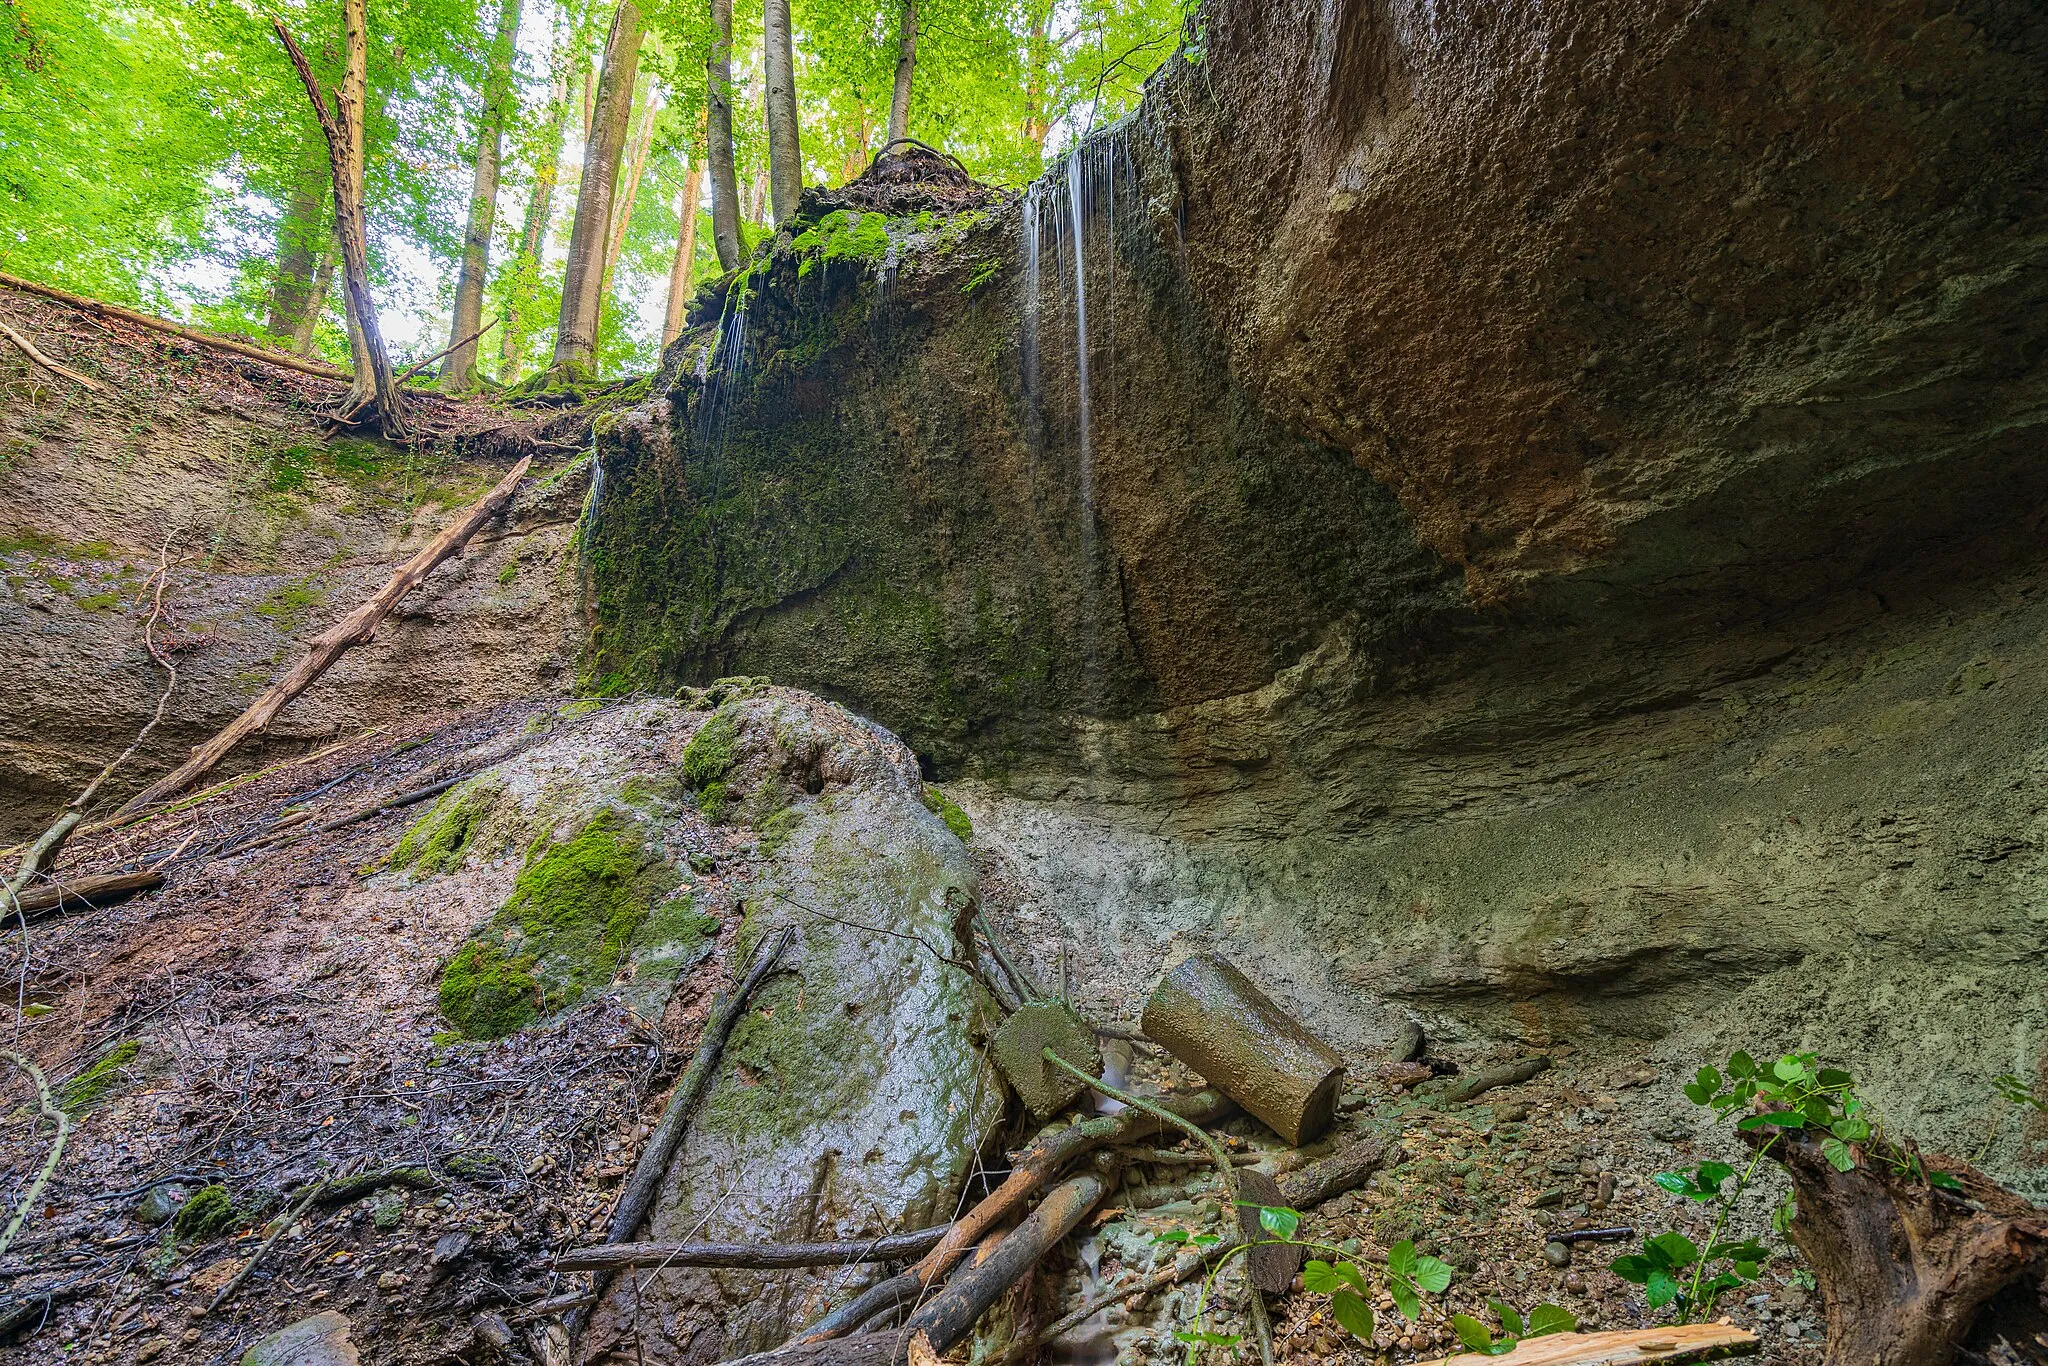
(1543, 1319)
(1406, 1275)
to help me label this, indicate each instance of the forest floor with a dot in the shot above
(233, 1029)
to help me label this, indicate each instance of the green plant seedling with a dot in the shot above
(1544, 1319)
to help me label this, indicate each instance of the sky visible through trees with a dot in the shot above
(164, 154)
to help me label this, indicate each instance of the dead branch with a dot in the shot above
(637, 1196)
(1679, 1344)
(42, 1176)
(411, 370)
(751, 1256)
(62, 372)
(1181, 1268)
(1343, 1170)
(284, 1221)
(354, 629)
(155, 324)
(1507, 1075)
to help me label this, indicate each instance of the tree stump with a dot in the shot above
(1911, 1272)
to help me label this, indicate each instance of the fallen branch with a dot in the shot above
(341, 1190)
(637, 1196)
(42, 1176)
(85, 893)
(155, 324)
(891, 1247)
(354, 629)
(1676, 1345)
(1343, 1170)
(61, 371)
(284, 1221)
(1507, 1075)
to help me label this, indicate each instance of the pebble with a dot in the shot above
(159, 1203)
(1575, 1283)
(151, 1350)
(1557, 1254)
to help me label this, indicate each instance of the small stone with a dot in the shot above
(159, 1203)
(449, 1248)
(387, 1208)
(1548, 1198)
(1409, 1043)
(1575, 1283)
(1557, 1254)
(322, 1340)
(390, 1281)
(151, 1350)
(189, 1336)
(1510, 1112)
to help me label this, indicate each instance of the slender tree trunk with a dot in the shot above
(906, 67)
(629, 190)
(583, 280)
(458, 373)
(680, 271)
(725, 185)
(785, 154)
(343, 127)
(301, 234)
(316, 303)
(1038, 60)
(540, 208)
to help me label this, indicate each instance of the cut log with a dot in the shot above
(1509, 1074)
(1908, 1271)
(1672, 1346)
(1206, 1013)
(1271, 1267)
(357, 627)
(155, 324)
(893, 1247)
(86, 893)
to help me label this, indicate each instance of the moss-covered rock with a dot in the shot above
(210, 1211)
(486, 993)
(437, 841)
(92, 1085)
(947, 810)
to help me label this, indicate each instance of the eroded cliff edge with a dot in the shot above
(1549, 538)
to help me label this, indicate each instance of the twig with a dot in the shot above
(638, 1194)
(63, 372)
(1021, 980)
(42, 1177)
(285, 1221)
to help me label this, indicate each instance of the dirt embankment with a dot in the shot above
(273, 529)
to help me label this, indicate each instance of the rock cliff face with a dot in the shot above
(1528, 515)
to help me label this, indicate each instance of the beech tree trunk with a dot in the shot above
(785, 154)
(316, 304)
(540, 206)
(629, 192)
(583, 278)
(459, 373)
(1908, 1271)
(684, 265)
(906, 68)
(343, 127)
(725, 185)
(302, 237)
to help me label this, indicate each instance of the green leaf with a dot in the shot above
(1353, 1314)
(1319, 1278)
(1785, 1213)
(1510, 1321)
(1661, 1290)
(1405, 1298)
(1279, 1221)
(1432, 1275)
(1633, 1267)
(1831, 1076)
(1206, 1239)
(1712, 1174)
(1944, 1180)
(1550, 1318)
(1401, 1258)
(1203, 1339)
(1746, 1270)
(1784, 1119)
(1741, 1065)
(1789, 1068)
(1698, 1094)
(1471, 1332)
(1851, 1130)
(1675, 1182)
(1679, 1250)
(1838, 1155)
(1173, 1237)
(1351, 1276)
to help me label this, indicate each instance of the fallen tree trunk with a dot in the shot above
(890, 1247)
(28, 349)
(85, 893)
(1677, 1345)
(1343, 1170)
(1510, 1074)
(155, 324)
(1910, 1271)
(352, 630)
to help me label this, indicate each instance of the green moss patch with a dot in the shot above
(709, 758)
(437, 841)
(208, 1212)
(574, 911)
(92, 1085)
(776, 830)
(947, 810)
(487, 994)
(288, 606)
